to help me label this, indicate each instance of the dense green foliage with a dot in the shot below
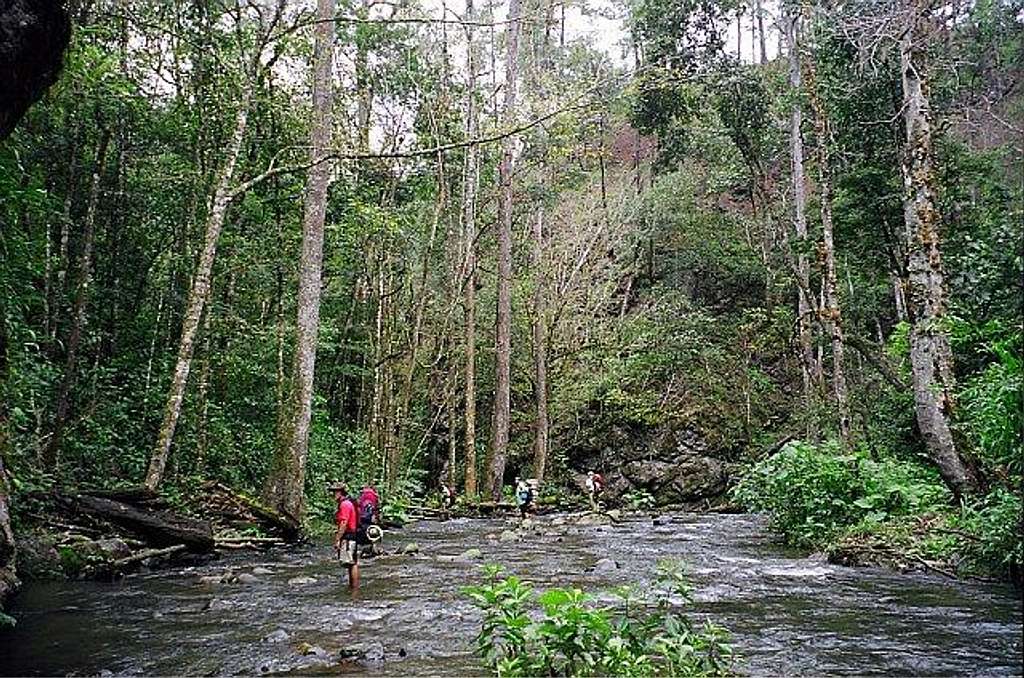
(564, 632)
(665, 263)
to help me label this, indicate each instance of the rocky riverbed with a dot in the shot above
(288, 611)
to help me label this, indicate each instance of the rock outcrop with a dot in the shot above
(674, 465)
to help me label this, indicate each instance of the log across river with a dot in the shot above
(288, 610)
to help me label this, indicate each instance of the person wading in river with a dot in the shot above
(595, 486)
(345, 542)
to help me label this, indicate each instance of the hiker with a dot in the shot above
(524, 497)
(345, 540)
(369, 516)
(447, 498)
(595, 486)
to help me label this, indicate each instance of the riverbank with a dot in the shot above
(287, 611)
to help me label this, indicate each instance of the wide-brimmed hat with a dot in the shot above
(337, 486)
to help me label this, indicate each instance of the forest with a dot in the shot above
(734, 255)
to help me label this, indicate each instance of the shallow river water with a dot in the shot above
(788, 615)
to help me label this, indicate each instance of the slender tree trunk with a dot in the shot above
(831, 314)
(931, 358)
(471, 179)
(51, 453)
(198, 295)
(503, 322)
(64, 237)
(540, 341)
(291, 467)
(796, 148)
(8, 550)
(759, 10)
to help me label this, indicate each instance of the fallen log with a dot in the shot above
(158, 528)
(146, 554)
(264, 514)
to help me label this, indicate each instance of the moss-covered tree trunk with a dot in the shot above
(931, 357)
(199, 293)
(471, 180)
(289, 473)
(808, 360)
(540, 350)
(503, 321)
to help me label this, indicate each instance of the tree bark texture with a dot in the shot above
(290, 500)
(503, 322)
(796, 148)
(51, 452)
(471, 180)
(830, 313)
(540, 348)
(931, 357)
(198, 294)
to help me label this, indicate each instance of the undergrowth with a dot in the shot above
(565, 632)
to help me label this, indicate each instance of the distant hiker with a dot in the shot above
(595, 486)
(524, 497)
(369, 515)
(447, 498)
(345, 536)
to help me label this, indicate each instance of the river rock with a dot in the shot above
(410, 549)
(301, 581)
(113, 548)
(471, 554)
(262, 571)
(308, 650)
(507, 536)
(211, 579)
(38, 557)
(369, 653)
(615, 515)
(605, 565)
(247, 578)
(592, 519)
(278, 636)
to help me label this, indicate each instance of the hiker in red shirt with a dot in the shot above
(345, 546)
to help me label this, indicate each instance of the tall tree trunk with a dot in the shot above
(198, 294)
(931, 358)
(51, 453)
(831, 313)
(540, 347)
(796, 148)
(290, 470)
(471, 179)
(503, 322)
(759, 10)
(8, 551)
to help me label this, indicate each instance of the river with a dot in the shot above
(788, 614)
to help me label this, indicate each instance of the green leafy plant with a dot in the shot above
(564, 632)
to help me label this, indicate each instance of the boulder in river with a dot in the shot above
(301, 580)
(262, 571)
(410, 549)
(247, 578)
(278, 636)
(508, 535)
(605, 565)
(471, 554)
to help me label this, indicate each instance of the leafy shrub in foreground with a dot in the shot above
(569, 635)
